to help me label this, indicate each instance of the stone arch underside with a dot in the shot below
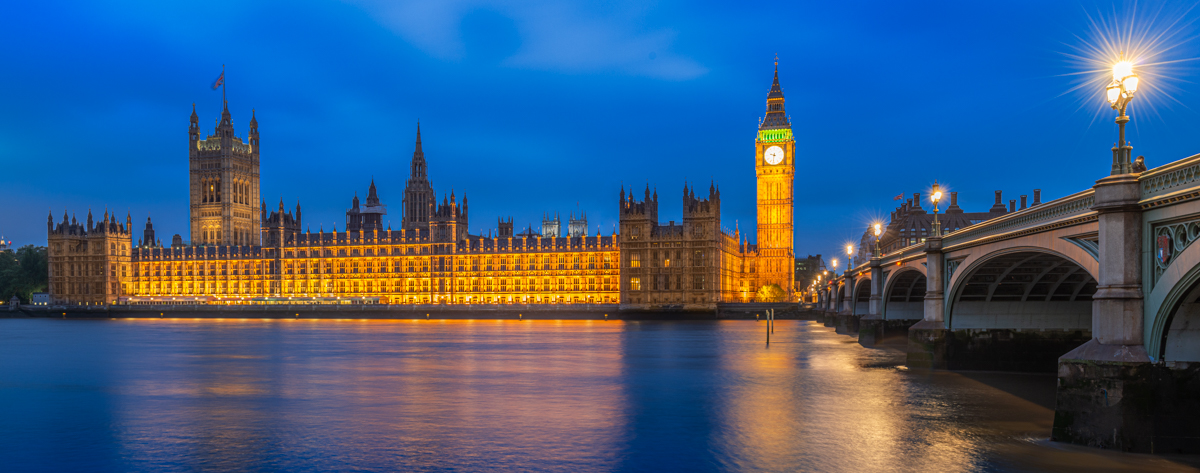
(1024, 290)
(904, 298)
(862, 296)
(1181, 338)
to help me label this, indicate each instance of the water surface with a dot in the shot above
(415, 395)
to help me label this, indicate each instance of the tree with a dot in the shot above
(770, 293)
(24, 272)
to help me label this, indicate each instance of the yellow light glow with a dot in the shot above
(878, 229)
(1131, 84)
(849, 249)
(1114, 93)
(1121, 70)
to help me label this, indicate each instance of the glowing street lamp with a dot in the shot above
(1120, 93)
(878, 230)
(849, 258)
(935, 196)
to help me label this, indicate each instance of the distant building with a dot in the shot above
(551, 227)
(5, 245)
(577, 227)
(807, 270)
(40, 298)
(910, 224)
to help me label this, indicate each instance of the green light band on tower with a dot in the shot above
(780, 134)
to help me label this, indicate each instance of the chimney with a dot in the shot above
(998, 207)
(953, 208)
(1037, 196)
(1012, 205)
(1024, 199)
(916, 200)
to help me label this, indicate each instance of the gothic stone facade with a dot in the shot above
(242, 255)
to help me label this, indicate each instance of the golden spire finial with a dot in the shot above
(777, 59)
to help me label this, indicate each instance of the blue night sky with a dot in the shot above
(543, 106)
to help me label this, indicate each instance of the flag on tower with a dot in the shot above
(220, 80)
(898, 197)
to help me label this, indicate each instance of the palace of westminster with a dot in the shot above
(241, 253)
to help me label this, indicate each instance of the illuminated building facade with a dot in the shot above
(431, 260)
(89, 263)
(242, 255)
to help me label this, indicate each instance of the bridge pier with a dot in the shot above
(872, 327)
(1109, 393)
(927, 338)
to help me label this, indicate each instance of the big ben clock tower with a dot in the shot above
(775, 167)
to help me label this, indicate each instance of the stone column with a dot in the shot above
(848, 294)
(1117, 304)
(871, 326)
(927, 339)
(935, 266)
(876, 309)
(1106, 387)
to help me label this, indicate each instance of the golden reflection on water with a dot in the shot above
(847, 417)
(513, 392)
(318, 395)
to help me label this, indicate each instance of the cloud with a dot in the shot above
(555, 36)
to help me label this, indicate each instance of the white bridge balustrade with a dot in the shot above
(1101, 286)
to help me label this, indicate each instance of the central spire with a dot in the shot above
(372, 196)
(418, 160)
(776, 116)
(776, 90)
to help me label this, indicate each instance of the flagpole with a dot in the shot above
(223, 100)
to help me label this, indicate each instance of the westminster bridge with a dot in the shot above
(1101, 286)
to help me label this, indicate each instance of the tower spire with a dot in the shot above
(418, 160)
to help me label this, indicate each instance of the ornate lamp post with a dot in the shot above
(849, 258)
(878, 229)
(935, 197)
(1120, 93)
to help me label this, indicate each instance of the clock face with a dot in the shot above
(773, 155)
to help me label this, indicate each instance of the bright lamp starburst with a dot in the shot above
(1144, 53)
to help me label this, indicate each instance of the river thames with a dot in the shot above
(491, 395)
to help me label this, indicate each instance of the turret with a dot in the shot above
(148, 233)
(193, 130)
(253, 131)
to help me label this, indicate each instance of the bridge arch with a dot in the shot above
(1022, 288)
(904, 295)
(1173, 310)
(862, 296)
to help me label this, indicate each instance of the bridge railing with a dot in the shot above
(1031, 220)
(1179, 177)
